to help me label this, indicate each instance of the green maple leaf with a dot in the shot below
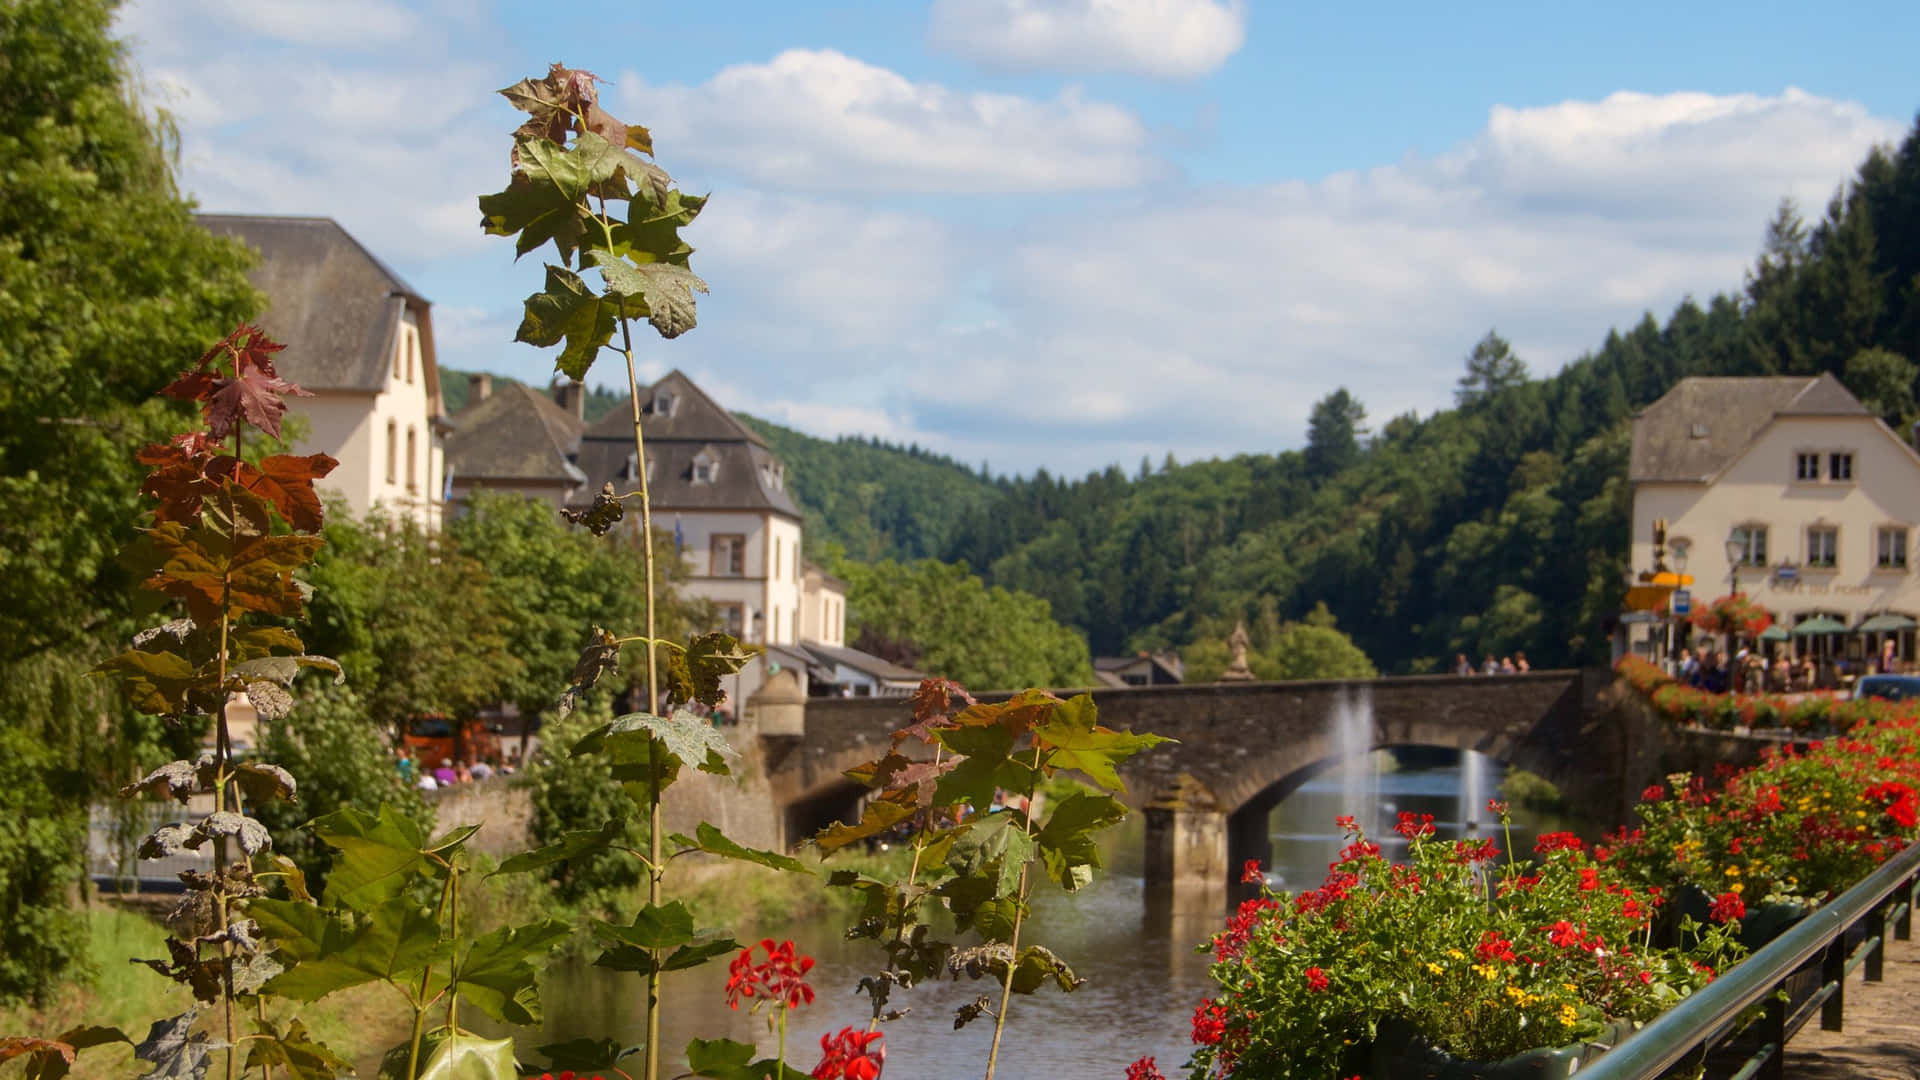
(652, 235)
(880, 815)
(1068, 846)
(496, 977)
(567, 309)
(714, 842)
(1078, 742)
(395, 940)
(154, 682)
(458, 1055)
(686, 737)
(295, 1051)
(975, 779)
(661, 291)
(656, 926)
(378, 855)
(709, 659)
(571, 845)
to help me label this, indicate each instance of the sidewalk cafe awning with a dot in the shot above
(1776, 632)
(1819, 624)
(1886, 622)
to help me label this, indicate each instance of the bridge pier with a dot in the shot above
(1186, 856)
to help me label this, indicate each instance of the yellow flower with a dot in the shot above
(1456, 954)
(1488, 971)
(1433, 967)
(1733, 871)
(1736, 887)
(1568, 1015)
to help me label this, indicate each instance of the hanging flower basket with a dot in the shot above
(1735, 614)
(1400, 1053)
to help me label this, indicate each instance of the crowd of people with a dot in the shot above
(1509, 665)
(451, 772)
(1747, 671)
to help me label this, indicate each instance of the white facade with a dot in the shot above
(391, 454)
(823, 607)
(1827, 509)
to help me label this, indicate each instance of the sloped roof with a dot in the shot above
(335, 305)
(745, 473)
(1701, 425)
(860, 661)
(515, 433)
(695, 416)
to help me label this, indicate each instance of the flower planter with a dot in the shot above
(1400, 1053)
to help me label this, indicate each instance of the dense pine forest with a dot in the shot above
(1494, 526)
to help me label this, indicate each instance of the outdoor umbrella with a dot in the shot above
(1776, 632)
(1885, 622)
(1819, 624)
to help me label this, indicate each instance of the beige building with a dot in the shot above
(1816, 500)
(361, 341)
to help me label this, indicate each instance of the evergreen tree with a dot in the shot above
(1491, 369)
(1333, 434)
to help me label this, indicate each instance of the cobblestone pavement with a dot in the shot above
(1882, 1036)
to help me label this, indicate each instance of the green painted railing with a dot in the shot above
(1692, 1030)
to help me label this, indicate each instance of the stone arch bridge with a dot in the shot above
(1242, 747)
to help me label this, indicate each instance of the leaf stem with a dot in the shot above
(655, 748)
(1019, 909)
(420, 1001)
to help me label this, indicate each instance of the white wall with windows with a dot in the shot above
(389, 453)
(1823, 512)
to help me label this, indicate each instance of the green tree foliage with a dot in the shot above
(342, 761)
(1883, 381)
(107, 288)
(874, 499)
(573, 794)
(1313, 648)
(1492, 370)
(987, 638)
(555, 584)
(1333, 434)
(415, 622)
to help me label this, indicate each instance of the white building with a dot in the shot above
(1818, 499)
(361, 341)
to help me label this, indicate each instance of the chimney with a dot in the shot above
(572, 397)
(479, 387)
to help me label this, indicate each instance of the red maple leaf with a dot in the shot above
(182, 477)
(286, 481)
(257, 397)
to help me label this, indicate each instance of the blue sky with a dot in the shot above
(1070, 232)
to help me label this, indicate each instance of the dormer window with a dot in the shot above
(663, 404)
(703, 468)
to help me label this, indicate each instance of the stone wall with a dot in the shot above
(501, 809)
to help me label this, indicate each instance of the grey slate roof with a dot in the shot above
(335, 305)
(516, 433)
(1701, 425)
(860, 661)
(696, 425)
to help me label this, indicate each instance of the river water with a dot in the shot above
(1143, 977)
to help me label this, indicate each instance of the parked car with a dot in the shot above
(1887, 687)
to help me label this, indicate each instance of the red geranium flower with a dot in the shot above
(780, 977)
(1209, 1023)
(1144, 1069)
(1316, 980)
(1250, 873)
(1557, 841)
(1728, 908)
(1413, 826)
(851, 1054)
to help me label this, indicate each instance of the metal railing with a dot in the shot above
(1708, 1020)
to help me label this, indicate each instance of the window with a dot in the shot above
(413, 481)
(413, 352)
(1890, 547)
(796, 561)
(1753, 542)
(663, 404)
(399, 347)
(1806, 466)
(393, 452)
(733, 618)
(776, 558)
(729, 555)
(1840, 467)
(775, 639)
(1823, 546)
(703, 469)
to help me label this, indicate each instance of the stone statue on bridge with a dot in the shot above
(1237, 645)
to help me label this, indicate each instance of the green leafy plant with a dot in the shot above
(963, 780)
(584, 182)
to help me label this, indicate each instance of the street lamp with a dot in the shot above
(1736, 551)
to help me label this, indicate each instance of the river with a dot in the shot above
(1143, 977)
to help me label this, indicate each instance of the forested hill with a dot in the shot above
(874, 499)
(1495, 526)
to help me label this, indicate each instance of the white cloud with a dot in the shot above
(358, 24)
(1211, 321)
(1178, 39)
(819, 119)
